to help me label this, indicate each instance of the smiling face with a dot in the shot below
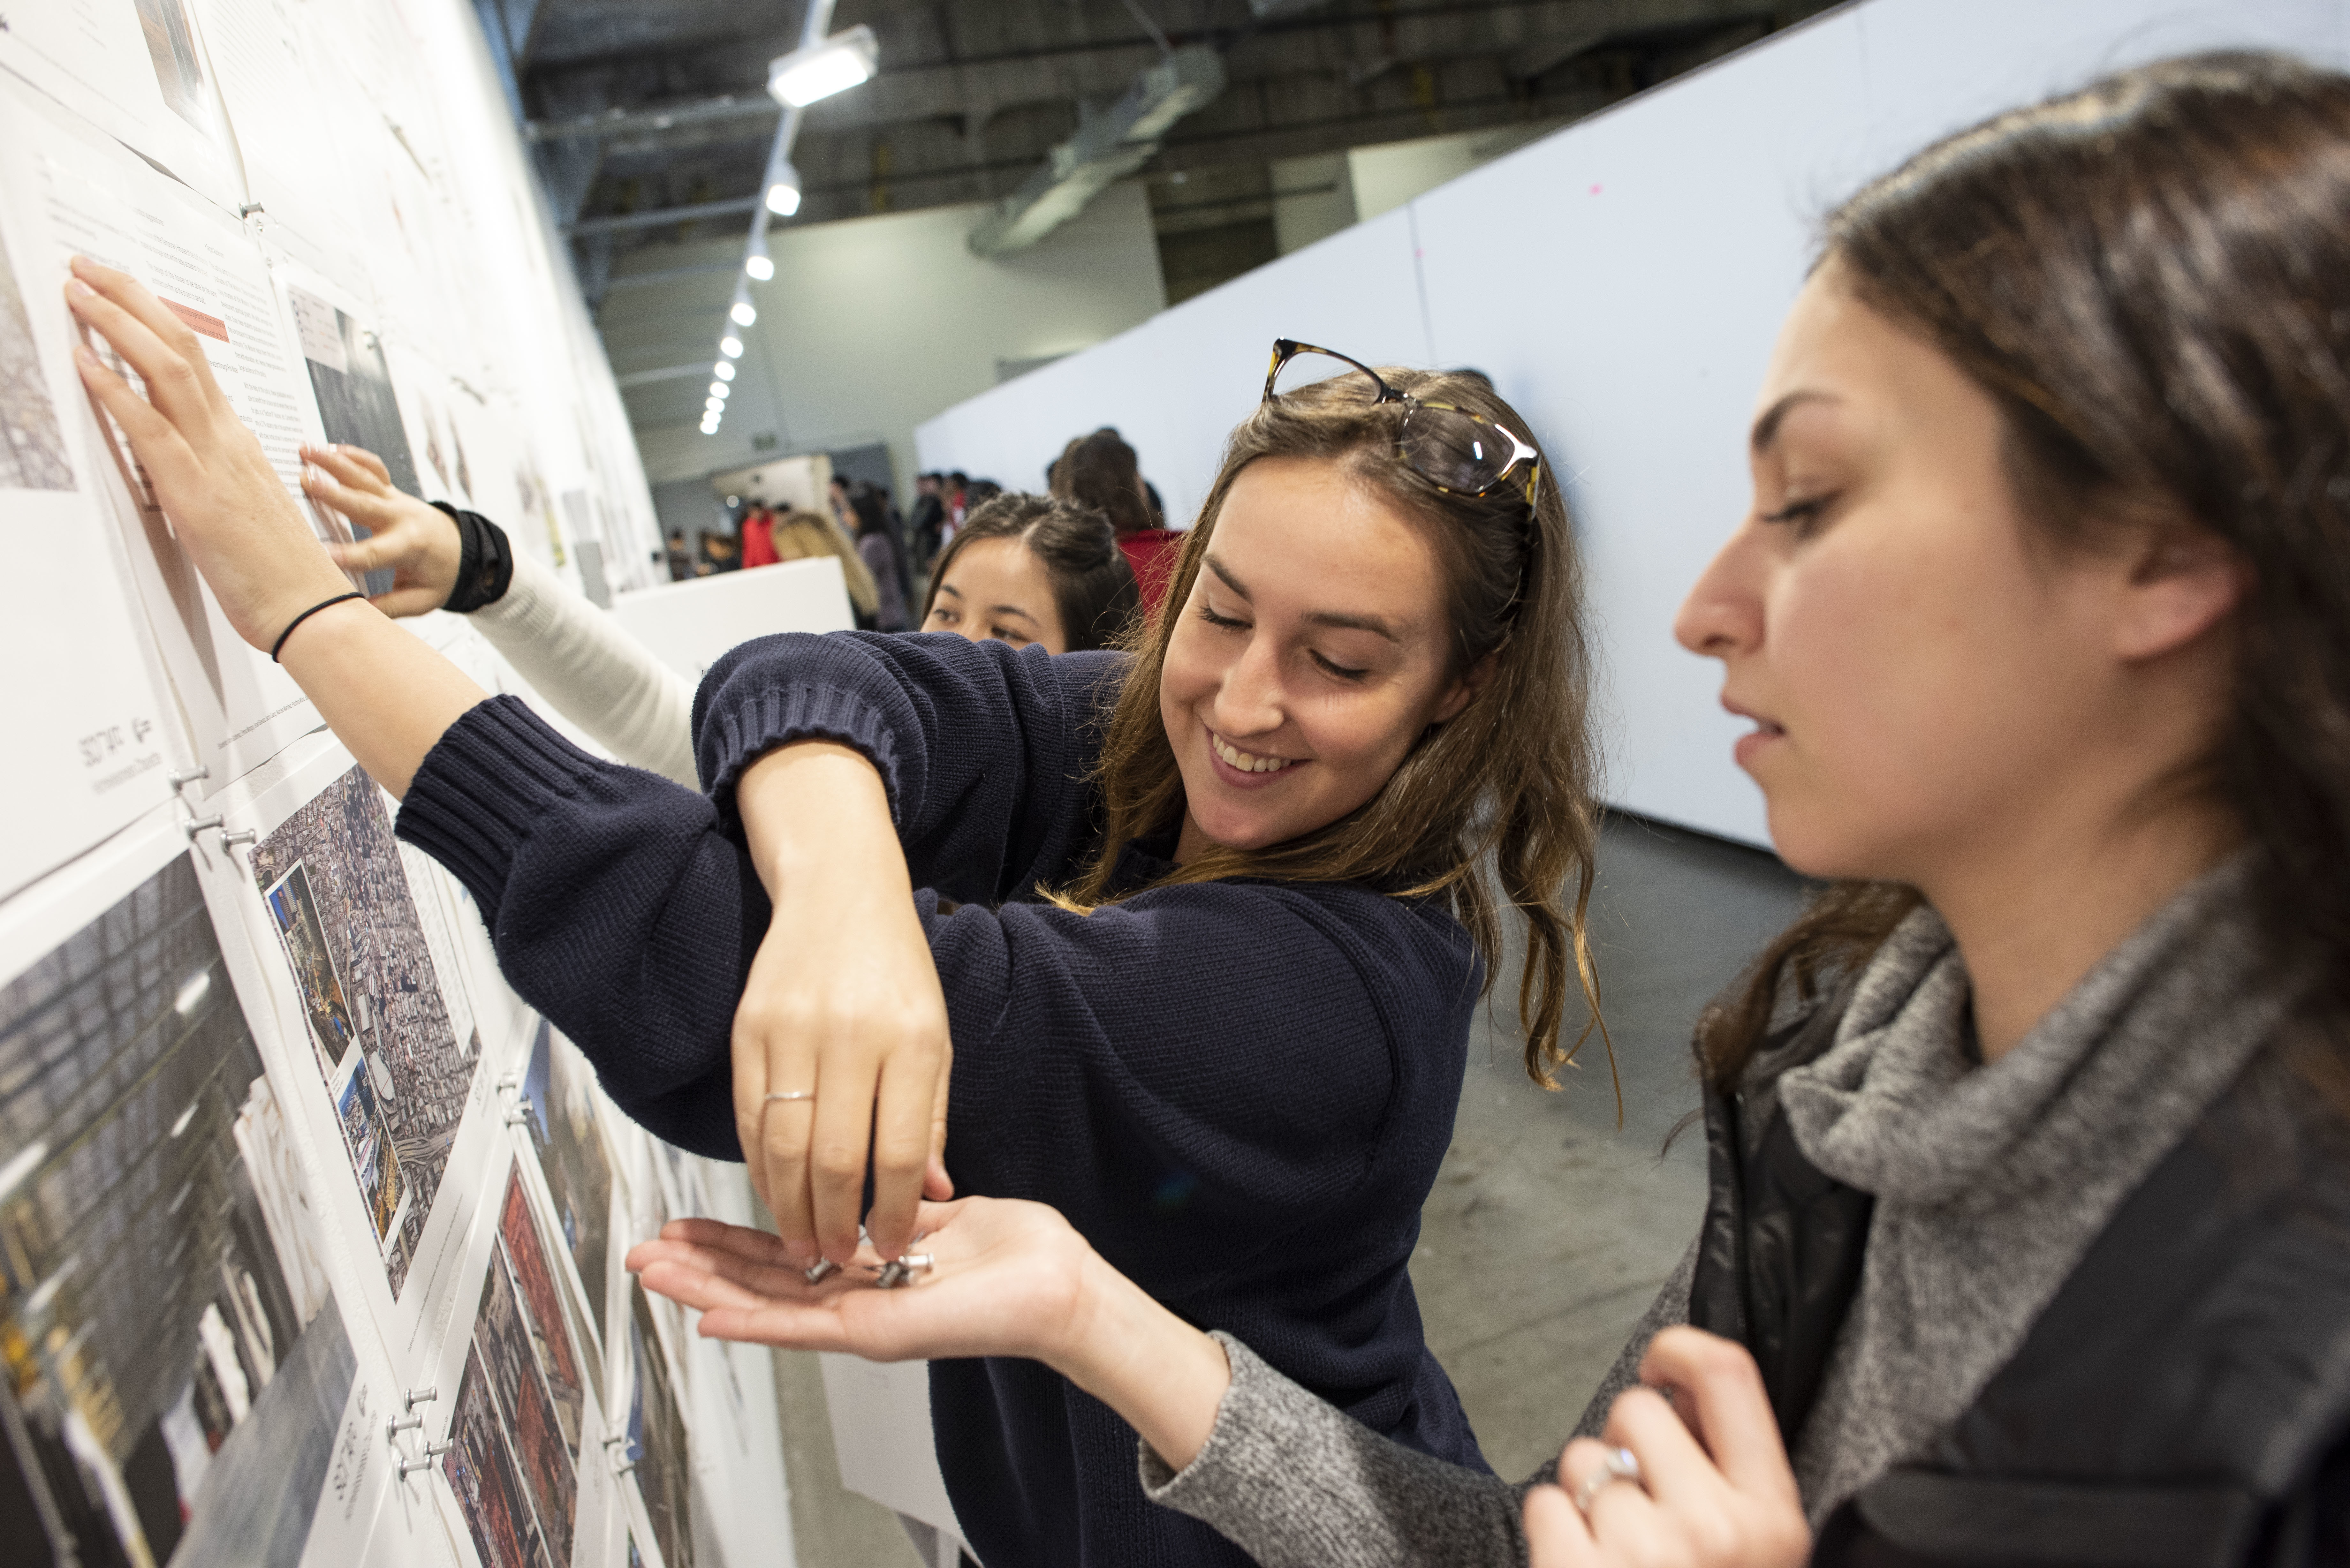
(1933, 687)
(997, 588)
(1310, 655)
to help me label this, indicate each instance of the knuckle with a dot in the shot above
(835, 1164)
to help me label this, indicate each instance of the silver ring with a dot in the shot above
(1621, 1465)
(794, 1095)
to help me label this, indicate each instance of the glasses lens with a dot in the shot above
(1309, 369)
(1448, 448)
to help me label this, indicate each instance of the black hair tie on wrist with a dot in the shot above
(485, 561)
(279, 646)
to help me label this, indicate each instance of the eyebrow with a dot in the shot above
(1376, 625)
(1766, 428)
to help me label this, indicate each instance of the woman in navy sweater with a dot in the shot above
(1205, 923)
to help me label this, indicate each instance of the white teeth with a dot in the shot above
(1246, 762)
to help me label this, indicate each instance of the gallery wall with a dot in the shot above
(310, 1230)
(1621, 281)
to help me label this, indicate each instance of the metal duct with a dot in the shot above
(1108, 146)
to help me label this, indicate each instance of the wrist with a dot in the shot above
(1167, 1378)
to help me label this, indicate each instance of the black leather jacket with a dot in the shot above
(2185, 1400)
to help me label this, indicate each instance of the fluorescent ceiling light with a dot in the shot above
(723, 371)
(784, 193)
(731, 345)
(820, 70)
(742, 313)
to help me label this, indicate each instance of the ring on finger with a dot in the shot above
(1621, 1464)
(793, 1094)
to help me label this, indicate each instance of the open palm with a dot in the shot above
(1004, 1281)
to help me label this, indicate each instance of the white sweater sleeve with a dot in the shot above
(595, 674)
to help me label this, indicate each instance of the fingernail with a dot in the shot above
(84, 357)
(75, 287)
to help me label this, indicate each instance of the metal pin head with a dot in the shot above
(823, 1269)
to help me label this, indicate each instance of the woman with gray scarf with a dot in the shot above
(2029, 1236)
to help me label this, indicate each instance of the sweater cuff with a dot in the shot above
(491, 775)
(732, 739)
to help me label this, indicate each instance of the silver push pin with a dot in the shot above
(897, 1270)
(823, 1269)
(423, 1461)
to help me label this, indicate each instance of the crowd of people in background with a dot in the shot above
(891, 559)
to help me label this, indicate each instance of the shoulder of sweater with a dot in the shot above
(1405, 948)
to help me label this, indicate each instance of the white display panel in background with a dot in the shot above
(691, 624)
(1622, 281)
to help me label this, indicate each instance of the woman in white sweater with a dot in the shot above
(585, 663)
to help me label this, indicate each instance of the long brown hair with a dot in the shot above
(2151, 278)
(1092, 588)
(1492, 809)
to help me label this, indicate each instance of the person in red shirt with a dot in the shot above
(758, 537)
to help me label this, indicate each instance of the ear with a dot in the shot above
(1465, 692)
(2182, 582)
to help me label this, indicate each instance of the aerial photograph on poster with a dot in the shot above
(414, 1072)
(657, 1439)
(353, 385)
(32, 449)
(480, 1468)
(177, 1363)
(324, 1007)
(178, 71)
(519, 1415)
(558, 1085)
(558, 1358)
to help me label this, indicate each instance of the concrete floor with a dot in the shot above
(1549, 1228)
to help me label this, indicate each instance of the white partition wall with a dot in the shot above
(1621, 281)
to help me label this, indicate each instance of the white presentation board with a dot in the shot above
(1621, 280)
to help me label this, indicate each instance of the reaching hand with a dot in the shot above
(839, 1043)
(225, 502)
(1006, 1279)
(416, 540)
(1713, 1490)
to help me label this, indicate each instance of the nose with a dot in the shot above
(1723, 615)
(1249, 701)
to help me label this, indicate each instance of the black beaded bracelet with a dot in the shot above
(279, 646)
(485, 561)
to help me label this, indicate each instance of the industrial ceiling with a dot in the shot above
(652, 124)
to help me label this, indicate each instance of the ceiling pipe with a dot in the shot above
(1109, 145)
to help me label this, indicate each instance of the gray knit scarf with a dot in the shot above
(1991, 1180)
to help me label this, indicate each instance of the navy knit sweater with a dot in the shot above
(1238, 1092)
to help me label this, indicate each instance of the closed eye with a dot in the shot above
(1225, 621)
(1340, 670)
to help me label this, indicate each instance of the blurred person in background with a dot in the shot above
(758, 536)
(877, 547)
(1100, 471)
(922, 526)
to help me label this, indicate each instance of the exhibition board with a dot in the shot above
(311, 1230)
(1621, 280)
